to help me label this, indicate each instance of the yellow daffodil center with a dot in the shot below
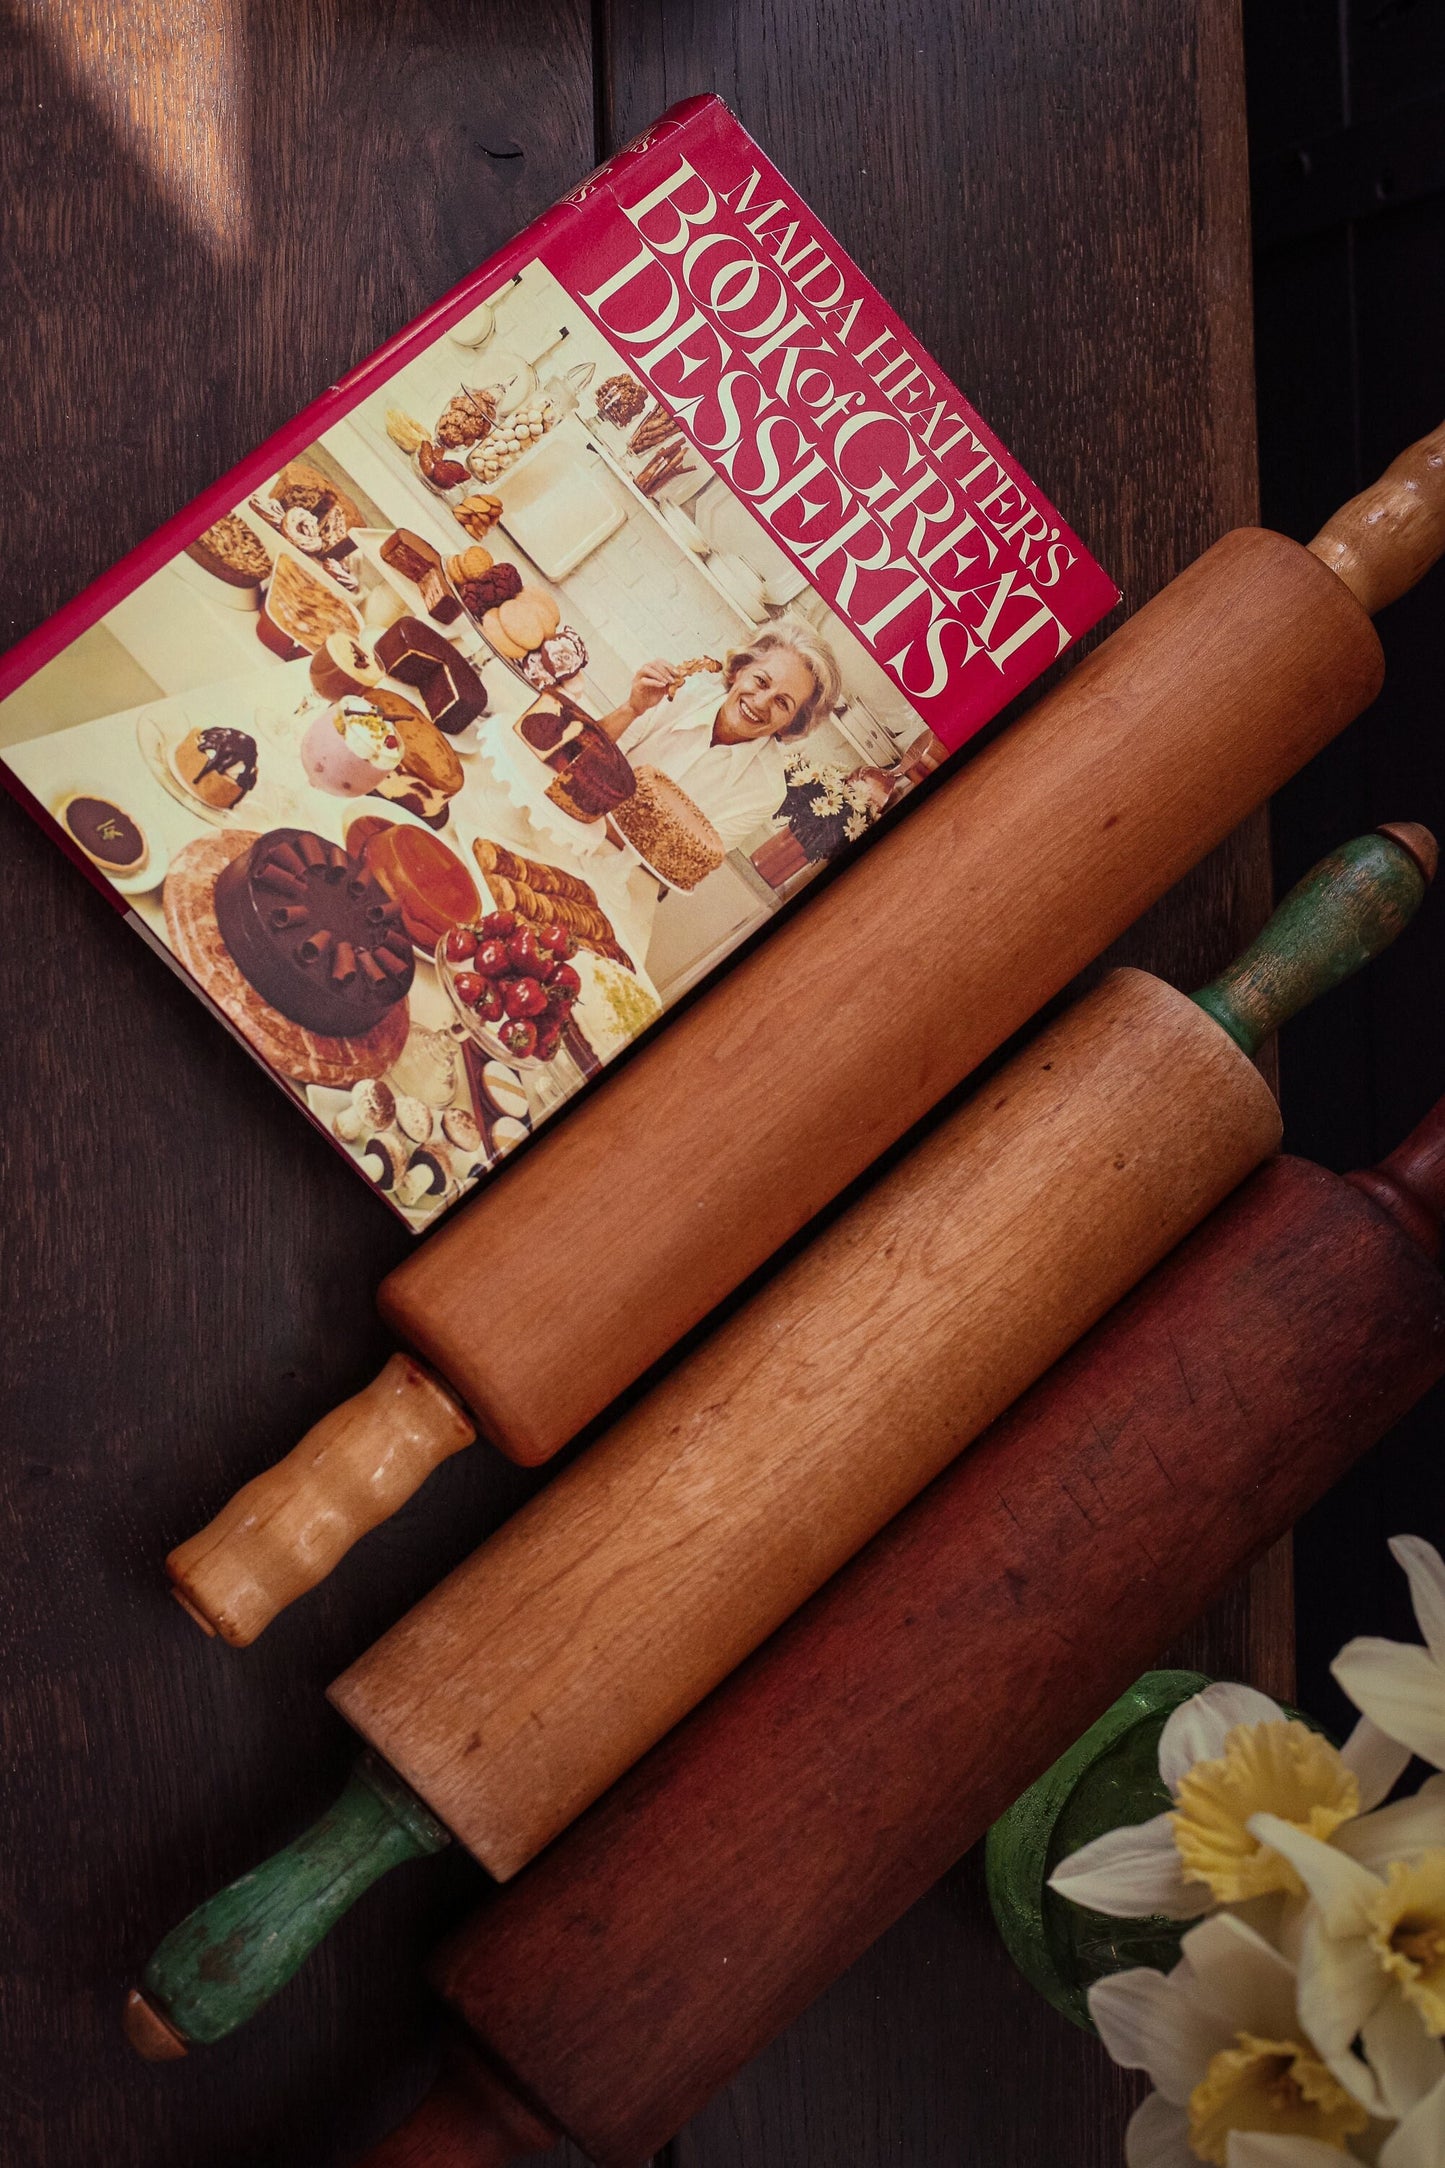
(1407, 1930)
(1281, 1767)
(1273, 2086)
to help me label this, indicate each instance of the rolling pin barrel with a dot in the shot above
(725, 1136)
(1076, 819)
(628, 1589)
(728, 1133)
(795, 1816)
(620, 1595)
(604, 1611)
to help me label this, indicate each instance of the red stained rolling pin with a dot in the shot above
(684, 1172)
(605, 1610)
(755, 1854)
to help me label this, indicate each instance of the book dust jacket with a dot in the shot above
(486, 709)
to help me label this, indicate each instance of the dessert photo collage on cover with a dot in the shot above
(464, 746)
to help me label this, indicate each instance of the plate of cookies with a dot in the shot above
(311, 515)
(526, 630)
(541, 894)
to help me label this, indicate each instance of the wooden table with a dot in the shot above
(215, 211)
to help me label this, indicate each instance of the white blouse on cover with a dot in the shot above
(739, 787)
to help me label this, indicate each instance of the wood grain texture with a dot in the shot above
(284, 1530)
(1056, 199)
(469, 2119)
(605, 1611)
(753, 1855)
(187, 1277)
(1055, 837)
(1054, 196)
(1405, 508)
(1351, 328)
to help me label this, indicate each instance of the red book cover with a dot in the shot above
(450, 738)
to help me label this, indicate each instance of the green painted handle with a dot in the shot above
(1348, 909)
(234, 1951)
(1108, 1778)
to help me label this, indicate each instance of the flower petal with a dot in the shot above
(1419, 2142)
(1342, 1889)
(1146, 2024)
(1356, 2076)
(1232, 1974)
(1279, 1918)
(1407, 2062)
(1400, 1687)
(1158, 2136)
(1425, 1570)
(1199, 1727)
(1341, 1985)
(1409, 1826)
(1132, 1873)
(1265, 2149)
(1376, 1760)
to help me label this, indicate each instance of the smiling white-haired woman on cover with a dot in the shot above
(725, 748)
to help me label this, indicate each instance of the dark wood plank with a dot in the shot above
(215, 212)
(835, 1778)
(211, 213)
(1055, 198)
(1350, 324)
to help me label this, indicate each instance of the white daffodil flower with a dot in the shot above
(1226, 1755)
(1224, 2049)
(1418, 2142)
(1400, 1686)
(1254, 2149)
(1372, 1950)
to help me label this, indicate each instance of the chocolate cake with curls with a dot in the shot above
(315, 933)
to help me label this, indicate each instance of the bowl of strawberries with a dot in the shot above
(512, 985)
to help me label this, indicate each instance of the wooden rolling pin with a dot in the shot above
(593, 1621)
(688, 1168)
(760, 1849)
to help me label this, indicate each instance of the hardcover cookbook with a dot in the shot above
(485, 709)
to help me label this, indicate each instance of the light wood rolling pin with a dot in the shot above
(757, 1852)
(683, 1172)
(605, 1610)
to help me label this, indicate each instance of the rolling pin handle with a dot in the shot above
(1388, 537)
(150, 2031)
(238, 1948)
(284, 1531)
(470, 2119)
(1410, 1183)
(1348, 908)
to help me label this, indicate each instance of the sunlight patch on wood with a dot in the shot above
(173, 88)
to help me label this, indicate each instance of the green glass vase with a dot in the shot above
(1108, 1779)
